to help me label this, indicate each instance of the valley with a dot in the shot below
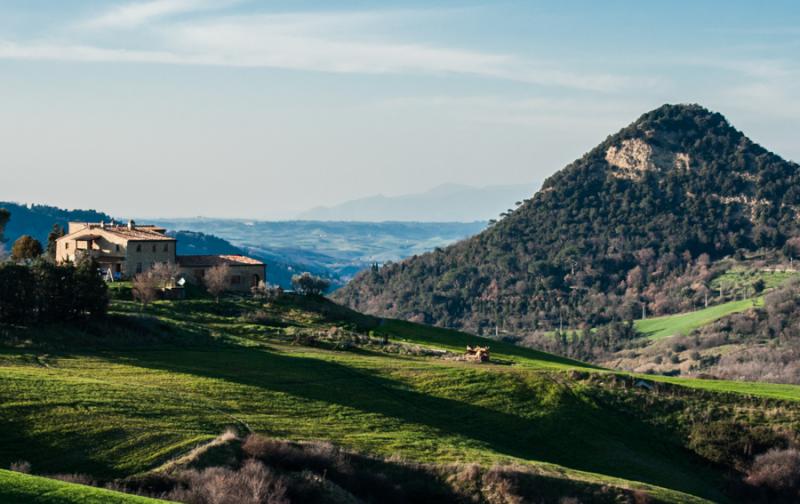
(617, 354)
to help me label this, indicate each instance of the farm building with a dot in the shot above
(124, 250)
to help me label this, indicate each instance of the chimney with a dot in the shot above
(131, 225)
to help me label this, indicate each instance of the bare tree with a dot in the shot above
(145, 288)
(165, 274)
(3, 253)
(265, 292)
(216, 280)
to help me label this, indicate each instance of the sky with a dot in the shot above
(263, 109)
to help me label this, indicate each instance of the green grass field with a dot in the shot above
(735, 278)
(684, 323)
(111, 401)
(16, 488)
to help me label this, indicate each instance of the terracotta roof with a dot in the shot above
(138, 233)
(215, 260)
(144, 233)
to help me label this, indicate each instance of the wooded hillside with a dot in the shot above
(635, 224)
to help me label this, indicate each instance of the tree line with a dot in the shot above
(46, 292)
(35, 289)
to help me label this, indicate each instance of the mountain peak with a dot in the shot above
(680, 119)
(667, 139)
(674, 109)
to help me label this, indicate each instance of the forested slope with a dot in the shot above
(635, 224)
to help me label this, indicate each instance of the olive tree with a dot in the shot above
(310, 285)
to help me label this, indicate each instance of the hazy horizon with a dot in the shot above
(243, 109)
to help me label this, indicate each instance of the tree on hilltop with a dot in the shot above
(310, 285)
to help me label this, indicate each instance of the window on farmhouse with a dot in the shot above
(117, 247)
(166, 247)
(66, 246)
(154, 247)
(139, 247)
(138, 267)
(236, 279)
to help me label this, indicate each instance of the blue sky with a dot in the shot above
(262, 109)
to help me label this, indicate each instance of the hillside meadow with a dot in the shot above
(23, 488)
(125, 396)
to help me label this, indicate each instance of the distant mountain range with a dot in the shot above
(335, 250)
(444, 203)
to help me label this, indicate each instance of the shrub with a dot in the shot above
(253, 483)
(678, 347)
(294, 456)
(730, 443)
(21, 466)
(265, 293)
(80, 479)
(502, 486)
(778, 472)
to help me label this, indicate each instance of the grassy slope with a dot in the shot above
(732, 280)
(684, 323)
(18, 488)
(757, 389)
(116, 413)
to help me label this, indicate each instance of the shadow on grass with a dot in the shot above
(570, 432)
(117, 331)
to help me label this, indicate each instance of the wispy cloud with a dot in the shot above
(83, 53)
(337, 42)
(531, 111)
(319, 42)
(135, 14)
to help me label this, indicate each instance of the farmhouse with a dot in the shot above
(125, 250)
(245, 272)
